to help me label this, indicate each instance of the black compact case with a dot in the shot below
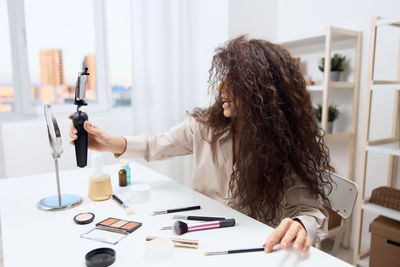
(100, 257)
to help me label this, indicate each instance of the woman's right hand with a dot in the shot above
(98, 140)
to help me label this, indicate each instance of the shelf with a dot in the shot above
(376, 82)
(344, 32)
(305, 41)
(392, 148)
(392, 22)
(381, 85)
(339, 135)
(343, 85)
(319, 39)
(381, 210)
(315, 88)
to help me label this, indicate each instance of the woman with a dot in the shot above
(257, 148)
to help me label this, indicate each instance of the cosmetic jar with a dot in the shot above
(139, 193)
(99, 183)
(84, 218)
(100, 257)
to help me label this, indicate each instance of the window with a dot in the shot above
(52, 41)
(60, 39)
(119, 51)
(6, 85)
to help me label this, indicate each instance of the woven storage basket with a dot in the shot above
(386, 196)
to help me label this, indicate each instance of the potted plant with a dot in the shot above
(333, 114)
(338, 64)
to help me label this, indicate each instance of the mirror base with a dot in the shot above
(67, 201)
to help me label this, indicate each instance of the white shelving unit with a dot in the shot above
(393, 214)
(392, 148)
(324, 41)
(389, 146)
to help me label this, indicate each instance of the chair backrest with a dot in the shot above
(343, 196)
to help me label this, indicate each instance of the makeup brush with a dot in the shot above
(212, 253)
(128, 210)
(192, 218)
(180, 227)
(196, 218)
(158, 212)
(180, 243)
(178, 240)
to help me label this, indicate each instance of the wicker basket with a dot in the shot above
(386, 196)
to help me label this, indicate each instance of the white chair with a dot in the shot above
(343, 198)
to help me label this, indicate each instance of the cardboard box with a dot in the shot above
(385, 242)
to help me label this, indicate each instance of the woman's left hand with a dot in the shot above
(289, 230)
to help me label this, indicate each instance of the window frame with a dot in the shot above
(24, 106)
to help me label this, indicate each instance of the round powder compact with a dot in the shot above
(84, 218)
(100, 257)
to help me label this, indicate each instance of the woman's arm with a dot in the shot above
(177, 141)
(306, 220)
(99, 140)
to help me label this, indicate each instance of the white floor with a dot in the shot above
(343, 254)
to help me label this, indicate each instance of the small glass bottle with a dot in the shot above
(122, 175)
(128, 172)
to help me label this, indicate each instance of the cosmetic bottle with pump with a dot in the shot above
(128, 172)
(122, 175)
(99, 182)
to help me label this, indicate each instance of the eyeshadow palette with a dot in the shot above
(111, 230)
(119, 226)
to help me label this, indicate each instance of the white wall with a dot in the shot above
(256, 18)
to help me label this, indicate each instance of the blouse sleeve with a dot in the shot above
(307, 207)
(178, 141)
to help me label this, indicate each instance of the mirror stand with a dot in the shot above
(59, 201)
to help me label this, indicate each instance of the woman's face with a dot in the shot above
(228, 105)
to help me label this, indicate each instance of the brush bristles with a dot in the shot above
(180, 228)
(129, 211)
(206, 253)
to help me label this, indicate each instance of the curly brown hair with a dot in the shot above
(279, 140)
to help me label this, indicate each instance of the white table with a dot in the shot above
(32, 237)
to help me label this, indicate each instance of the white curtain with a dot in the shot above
(169, 45)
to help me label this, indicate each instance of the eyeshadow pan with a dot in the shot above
(109, 221)
(118, 224)
(129, 225)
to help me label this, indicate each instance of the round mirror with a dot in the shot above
(53, 131)
(59, 201)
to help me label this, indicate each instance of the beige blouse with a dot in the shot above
(211, 174)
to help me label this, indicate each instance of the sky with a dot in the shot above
(69, 25)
